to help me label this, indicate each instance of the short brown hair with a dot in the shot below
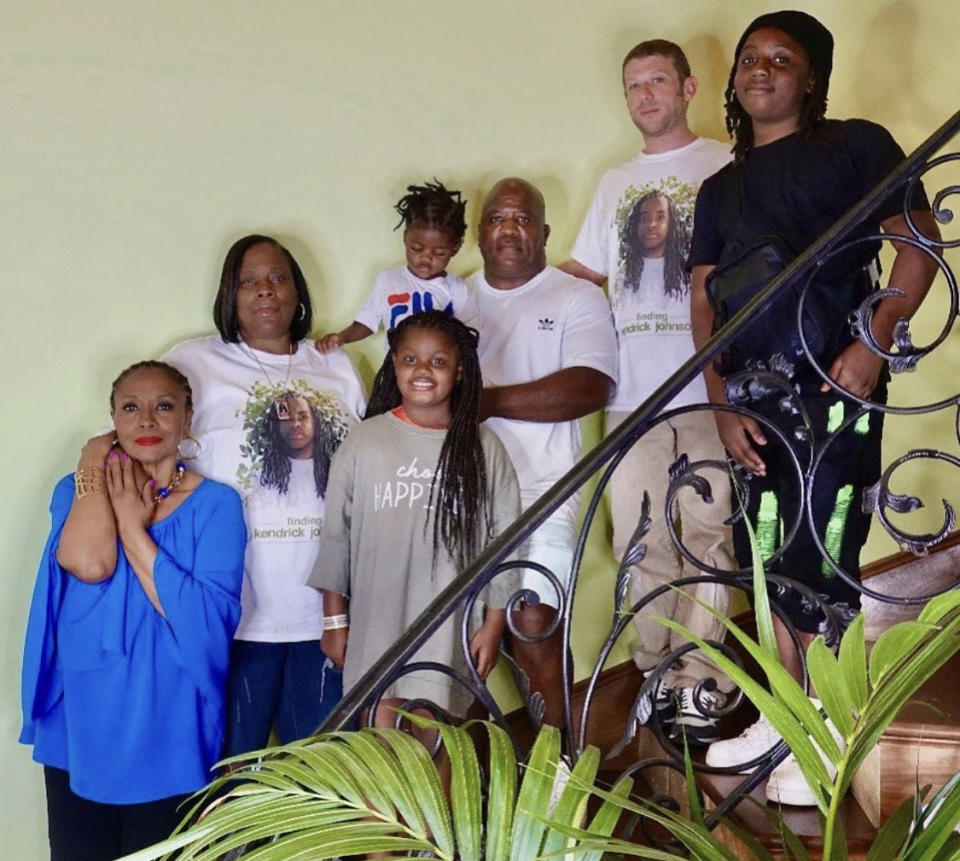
(661, 48)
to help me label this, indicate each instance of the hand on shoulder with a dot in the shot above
(328, 343)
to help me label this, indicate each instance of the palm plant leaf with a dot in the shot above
(362, 774)
(295, 767)
(418, 765)
(533, 799)
(761, 600)
(793, 848)
(896, 685)
(937, 608)
(935, 825)
(892, 835)
(606, 818)
(572, 805)
(693, 796)
(699, 842)
(910, 654)
(378, 790)
(266, 830)
(892, 645)
(589, 846)
(342, 794)
(835, 842)
(501, 793)
(329, 843)
(780, 707)
(256, 820)
(389, 776)
(465, 799)
(824, 669)
(852, 659)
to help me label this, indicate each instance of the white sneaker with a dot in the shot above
(756, 740)
(787, 785)
(695, 718)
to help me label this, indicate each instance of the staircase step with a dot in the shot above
(764, 821)
(905, 575)
(922, 746)
(754, 814)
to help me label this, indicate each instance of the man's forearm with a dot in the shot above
(562, 396)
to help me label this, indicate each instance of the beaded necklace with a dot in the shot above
(164, 492)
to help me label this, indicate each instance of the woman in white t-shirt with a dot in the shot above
(269, 413)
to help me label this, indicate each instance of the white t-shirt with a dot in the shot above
(650, 296)
(552, 322)
(397, 293)
(236, 420)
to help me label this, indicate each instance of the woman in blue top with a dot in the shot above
(128, 639)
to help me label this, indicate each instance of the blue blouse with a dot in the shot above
(130, 703)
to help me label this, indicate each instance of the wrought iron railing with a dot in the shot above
(742, 388)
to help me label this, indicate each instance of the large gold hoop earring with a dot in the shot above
(189, 448)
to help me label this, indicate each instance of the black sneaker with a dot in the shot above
(695, 716)
(662, 700)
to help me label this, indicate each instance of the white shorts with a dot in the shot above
(552, 546)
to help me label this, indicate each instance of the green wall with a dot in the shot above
(139, 139)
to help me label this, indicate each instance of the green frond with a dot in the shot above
(533, 799)
(379, 790)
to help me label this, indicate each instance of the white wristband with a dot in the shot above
(335, 623)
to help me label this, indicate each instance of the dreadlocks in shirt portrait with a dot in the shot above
(269, 413)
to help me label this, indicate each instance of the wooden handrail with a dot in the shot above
(895, 560)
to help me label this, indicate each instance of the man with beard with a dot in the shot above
(636, 237)
(548, 352)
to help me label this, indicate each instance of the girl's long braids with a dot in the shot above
(276, 468)
(463, 521)
(740, 126)
(434, 206)
(676, 280)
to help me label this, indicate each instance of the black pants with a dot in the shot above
(850, 464)
(83, 830)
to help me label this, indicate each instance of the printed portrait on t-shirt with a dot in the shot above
(295, 431)
(654, 230)
(654, 225)
(292, 432)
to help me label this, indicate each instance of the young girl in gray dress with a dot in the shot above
(415, 492)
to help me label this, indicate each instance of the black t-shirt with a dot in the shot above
(798, 187)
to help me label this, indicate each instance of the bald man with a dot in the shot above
(548, 351)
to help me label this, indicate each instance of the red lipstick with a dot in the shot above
(148, 440)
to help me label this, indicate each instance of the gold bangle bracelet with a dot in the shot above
(89, 480)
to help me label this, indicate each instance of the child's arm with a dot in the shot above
(485, 644)
(354, 332)
(578, 270)
(334, 640)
